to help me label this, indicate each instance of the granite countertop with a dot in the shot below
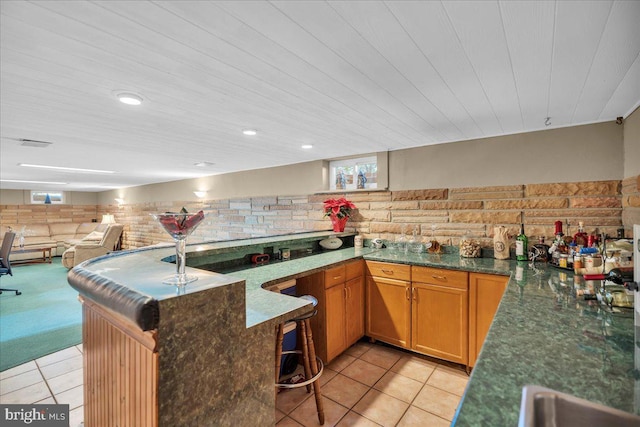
(143, 270)
(542, 334)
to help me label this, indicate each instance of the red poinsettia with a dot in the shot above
(339, 207)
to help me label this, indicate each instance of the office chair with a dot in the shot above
(5, 265)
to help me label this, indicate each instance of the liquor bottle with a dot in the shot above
(522, 243)
(541, 250)
(580, 238)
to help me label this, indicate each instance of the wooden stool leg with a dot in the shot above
(314, 370)
(279, 340)
(305, 353)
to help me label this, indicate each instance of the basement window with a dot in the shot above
(54, 197)
(359, 173)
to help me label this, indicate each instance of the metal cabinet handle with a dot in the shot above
(346, 296)
(387, 271)
(336, 277)
(407, 292)
(438, 277)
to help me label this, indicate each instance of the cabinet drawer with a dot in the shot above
(355, 269)
(392, 271)
(334, 276)
(440, 276)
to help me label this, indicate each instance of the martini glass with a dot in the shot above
(179, 226)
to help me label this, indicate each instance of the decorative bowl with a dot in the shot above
(331, 243)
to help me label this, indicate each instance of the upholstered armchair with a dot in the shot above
(87, 249)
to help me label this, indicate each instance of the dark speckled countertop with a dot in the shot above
(544, 335)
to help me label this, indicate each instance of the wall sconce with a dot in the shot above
(119, 201)
(108, 219)
(200, 194)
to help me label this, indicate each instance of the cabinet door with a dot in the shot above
(388, 310)
(439, 322)
(335, 321)
(485, 293)
(355, 310)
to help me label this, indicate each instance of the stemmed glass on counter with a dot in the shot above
(179, 225)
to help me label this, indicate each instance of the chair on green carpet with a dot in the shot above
(5, 264)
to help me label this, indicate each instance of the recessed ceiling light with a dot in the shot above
(61, 168)
(34, 182)
(203, 164)
(129, 98)
(307, 146)
(250, 132)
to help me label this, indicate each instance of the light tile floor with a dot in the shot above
(368, 385)
(377, 385)
(55, 378)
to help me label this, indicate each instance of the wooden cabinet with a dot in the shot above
(340, 319)
(354, 310)
(439, 318)
(419, 308)
(485, 293)
(388, 303)
(388, 310)
(335, 336)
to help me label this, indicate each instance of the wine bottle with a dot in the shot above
(522, 243)
(620, 275)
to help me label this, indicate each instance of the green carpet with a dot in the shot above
(47, 317)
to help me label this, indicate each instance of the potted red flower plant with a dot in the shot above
(339, 211)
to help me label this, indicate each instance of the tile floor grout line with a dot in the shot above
(46, 382)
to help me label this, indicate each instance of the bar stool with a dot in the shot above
(313, 366)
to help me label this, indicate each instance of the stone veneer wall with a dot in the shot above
(631, 202)
(39, 214)
(384, 214)
(602, 205)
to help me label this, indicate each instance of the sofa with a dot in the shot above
(87, 249)
(60, 235)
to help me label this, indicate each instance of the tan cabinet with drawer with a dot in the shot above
(485, 293)
(419, 308)
(340, 319)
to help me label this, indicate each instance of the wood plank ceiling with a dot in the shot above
(348, 77)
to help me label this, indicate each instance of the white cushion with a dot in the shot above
(94, 235)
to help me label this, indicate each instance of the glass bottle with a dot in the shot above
(522, 244)
(542, 249)
(415, 245)
(401, 239)
(580, 238)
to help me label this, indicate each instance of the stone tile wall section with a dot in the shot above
(631, 202)
(603, 206)
(46, 214)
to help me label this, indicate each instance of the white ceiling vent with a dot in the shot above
(34, 143)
